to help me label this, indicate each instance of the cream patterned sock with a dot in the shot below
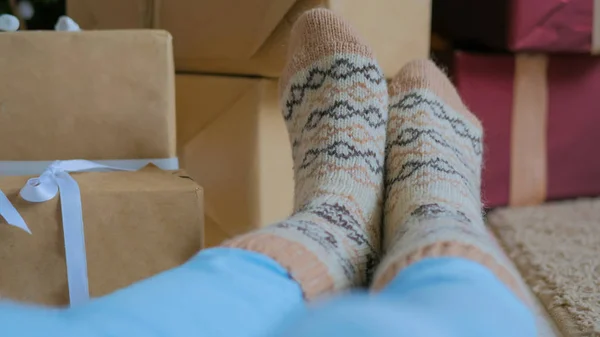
(334, 101)
(433, 167)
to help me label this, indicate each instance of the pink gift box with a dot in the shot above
(565, 26)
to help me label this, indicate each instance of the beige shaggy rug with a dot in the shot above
(556, 248)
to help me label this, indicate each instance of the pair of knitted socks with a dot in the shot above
(382, 180)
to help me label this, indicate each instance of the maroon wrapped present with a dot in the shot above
(541, 116)
(521, 25)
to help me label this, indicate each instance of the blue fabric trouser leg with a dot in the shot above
(221, 292)
(449, 297)
(229, 292)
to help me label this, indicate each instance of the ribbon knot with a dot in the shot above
(46, 186)
(54, 167)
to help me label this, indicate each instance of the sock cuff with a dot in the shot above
(303, 266)
(396, 264)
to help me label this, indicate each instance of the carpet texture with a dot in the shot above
(556, 247)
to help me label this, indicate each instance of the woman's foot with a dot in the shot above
(433, 164)
(334, 101)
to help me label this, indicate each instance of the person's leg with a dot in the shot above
(220, 292)
(433, 164)
(334, 100)
(443, 274)
(439, 253)
(435, 297)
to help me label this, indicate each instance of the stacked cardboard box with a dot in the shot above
(105, 97)
(231, 137)
(250, 37)
(234, 142)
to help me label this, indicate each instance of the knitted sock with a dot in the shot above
(334, 101)
(433, 168)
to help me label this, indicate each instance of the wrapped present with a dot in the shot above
(130, 225)
(240, 30)
(521, 25)
(556, 247)
(233, 141)
(105, 95)
(251, 37)
(540, 116)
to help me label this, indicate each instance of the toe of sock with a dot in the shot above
(321, 26)
(319, 33)
(425, 74)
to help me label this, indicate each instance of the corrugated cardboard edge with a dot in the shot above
(162, 34)
(528, 171)
(151, 18)
(199, 192)
(276, 179)
(210, 210)
(257, 106)
(171, 93)
(596, 28)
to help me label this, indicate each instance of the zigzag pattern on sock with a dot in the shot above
(434, 158)
(433, 166)
(334, 101)
(341, 69)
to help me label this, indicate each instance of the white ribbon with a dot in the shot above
(10, 214)
(55, 179)
(24, 168)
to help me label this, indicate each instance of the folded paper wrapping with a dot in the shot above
(540, 119)
(55, 179)
(136, 225)
(522, 25)
(251, 37)
(556, 247)
(90, 95)
(200, 27)
(233, 142)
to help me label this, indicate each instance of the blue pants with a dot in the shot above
(226, 292)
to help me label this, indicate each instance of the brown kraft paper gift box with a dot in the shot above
(233, 141)
(251, 37)
(86, 95)
(136, 224)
